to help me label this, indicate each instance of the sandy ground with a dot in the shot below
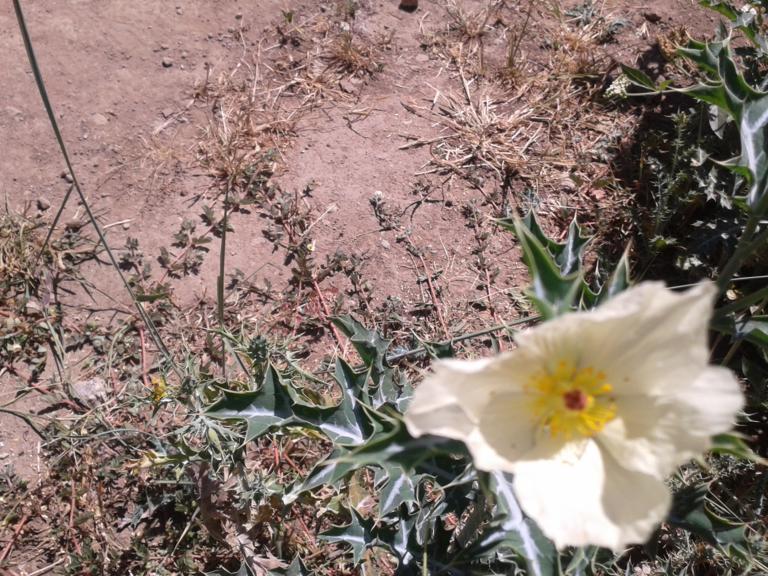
(124, 79)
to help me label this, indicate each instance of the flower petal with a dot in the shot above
(480, 402)
(656, 434)
(506, 430)
(442, 404)
(643, 332)
(582, 496)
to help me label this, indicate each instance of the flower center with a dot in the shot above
(571, 402)
(575, 399)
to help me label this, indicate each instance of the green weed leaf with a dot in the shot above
(639, 78)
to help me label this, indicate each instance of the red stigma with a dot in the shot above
(575, 399)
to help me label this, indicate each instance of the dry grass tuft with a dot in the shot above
(348, 54)
(536, 124)
(479, 132)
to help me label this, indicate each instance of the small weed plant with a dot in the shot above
(257, 464)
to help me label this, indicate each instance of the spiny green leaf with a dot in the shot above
(390, 445)
(357, 534)
(242, 571)
(721, 7)
(398, 447)
(405, 396)
(619, 280)
(277, 404)
(297, 568)
(729, 91)
(427, 517)
(569, 259)
(400, 541)
(752, 329)
(327, 473)
(754, 147)
(703, 54)
(350, 416)
(567, 255)
(517, 532)
(732, 79)
(553, 293)
(368, 343)
(267, 407)
(734, 445)
(691, 511)
(398, 487)
(715, 95)
(372, 349)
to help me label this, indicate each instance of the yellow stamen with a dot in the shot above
(571, 402)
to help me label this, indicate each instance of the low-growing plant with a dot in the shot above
(334, 472)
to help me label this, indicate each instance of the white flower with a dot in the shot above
(591, 412)
(618, 88)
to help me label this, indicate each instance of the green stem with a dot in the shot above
(742, 252)
(26, 419)
(737, 342)
(75, 183)
(422, 349)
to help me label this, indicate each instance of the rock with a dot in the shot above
(99, 119)
(91, 392)
(15, 113)
(347, 86)
(386, 245)
(126, 225)
(167, 62)
(67, 176)
(43, 204)
(652, 17)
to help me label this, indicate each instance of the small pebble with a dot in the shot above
(43, 204)
(167, 62)
(67, 176)
(652, 17)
